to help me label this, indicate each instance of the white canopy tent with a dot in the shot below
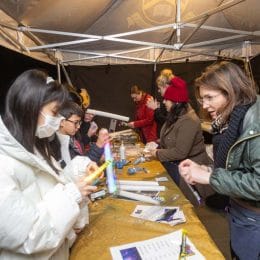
(95, 32)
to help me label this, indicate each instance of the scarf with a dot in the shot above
(225, 135)
(76, 146)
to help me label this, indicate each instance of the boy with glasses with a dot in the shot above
(66, 143)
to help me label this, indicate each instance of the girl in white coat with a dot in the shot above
(40, 205)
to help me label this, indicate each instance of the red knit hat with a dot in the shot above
(177, 91)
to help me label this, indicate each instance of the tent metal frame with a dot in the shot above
(179, 46)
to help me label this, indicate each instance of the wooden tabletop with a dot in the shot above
(111, 223)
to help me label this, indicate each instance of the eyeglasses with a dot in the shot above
(76, 123)
(207, 99)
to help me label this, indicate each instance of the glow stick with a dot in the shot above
(139, 197)
(111, 183)
(90, 178)
(106, 114)
(118, 133)
(138, 183)
(141, 188)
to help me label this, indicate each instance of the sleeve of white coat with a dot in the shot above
(27, 227)
(76, 167)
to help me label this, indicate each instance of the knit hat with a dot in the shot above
(177, 91)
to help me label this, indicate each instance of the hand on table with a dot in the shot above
(131, 124)
(153, 152)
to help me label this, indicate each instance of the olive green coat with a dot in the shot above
(241, 177)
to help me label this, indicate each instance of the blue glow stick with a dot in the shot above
(111, 178)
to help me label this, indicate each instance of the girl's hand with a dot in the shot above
(91, 167)
(78, 230)
(84, 188)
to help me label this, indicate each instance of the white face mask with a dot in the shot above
(50, 126)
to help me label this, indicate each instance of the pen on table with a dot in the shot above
(195, 193)
(183, 252)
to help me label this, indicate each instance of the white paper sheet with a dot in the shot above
(166, 247)
(167, 215)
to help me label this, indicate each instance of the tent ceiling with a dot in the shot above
(130, 31)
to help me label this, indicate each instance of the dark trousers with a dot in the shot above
(244, 232)
(173, 170)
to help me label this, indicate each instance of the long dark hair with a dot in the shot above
(24, 101)
(175, 112)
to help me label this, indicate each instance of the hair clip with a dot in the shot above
(49, 80)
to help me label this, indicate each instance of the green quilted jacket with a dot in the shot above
(241, 177)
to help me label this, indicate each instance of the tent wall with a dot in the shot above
(13, 64)
(108, 86)
(255, 64)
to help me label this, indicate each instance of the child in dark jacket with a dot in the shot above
(66, 143)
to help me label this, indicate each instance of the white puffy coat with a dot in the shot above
(38, 208)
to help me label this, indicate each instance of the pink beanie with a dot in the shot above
(177, 91)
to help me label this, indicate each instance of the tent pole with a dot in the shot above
(66, 74)
(12, 38)
(58, 72)
(178, 21)
(214, 10)
(153, 85)
(110, 56)
(220, 40)
(198, 27)
(31, 37)
(58, 44)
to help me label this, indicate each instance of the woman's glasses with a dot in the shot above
(207, 99)
(76, 123)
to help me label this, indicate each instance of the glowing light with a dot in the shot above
(111, 178)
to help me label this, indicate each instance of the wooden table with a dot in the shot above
(111, 223)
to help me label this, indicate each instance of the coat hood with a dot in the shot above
(11, 147)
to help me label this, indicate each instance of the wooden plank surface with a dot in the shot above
(111, 223)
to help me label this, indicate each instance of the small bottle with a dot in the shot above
(122, 151)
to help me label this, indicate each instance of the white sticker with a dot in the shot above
(162, 179)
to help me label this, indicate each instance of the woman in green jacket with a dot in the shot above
(230, 99)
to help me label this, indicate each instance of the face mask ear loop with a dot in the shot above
(43, 114)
